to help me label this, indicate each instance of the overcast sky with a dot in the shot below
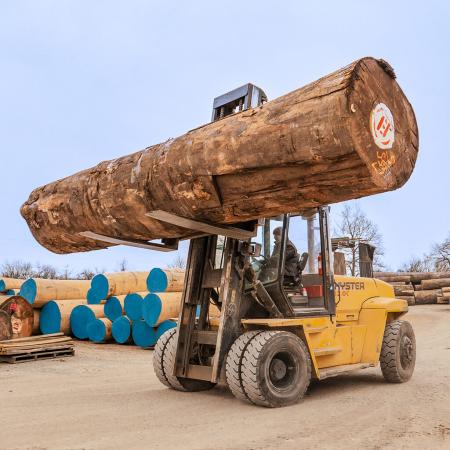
(86, 81)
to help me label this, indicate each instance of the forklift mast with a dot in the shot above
(228, 280)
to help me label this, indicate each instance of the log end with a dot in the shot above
(157, 280)
(80, 317)
(151, 309)
(29, 290)
(16, 318)
(143, 335)
(164, 326)
(50, 319)
(113, 308)
(97, 330)
(121, 330)
(133, 306)
(383, 123)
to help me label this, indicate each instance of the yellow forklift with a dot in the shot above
(284, 319)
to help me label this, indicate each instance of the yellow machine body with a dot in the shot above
(352, 338)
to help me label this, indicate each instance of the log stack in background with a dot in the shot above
(108, 307)
(138, 307)
(419, 288)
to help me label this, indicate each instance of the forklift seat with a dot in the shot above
(296, 281)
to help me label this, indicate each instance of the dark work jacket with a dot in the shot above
(291, 258)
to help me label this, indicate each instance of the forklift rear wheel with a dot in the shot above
(398, 352)
(275, 369)
(234, 363)
(168, 362)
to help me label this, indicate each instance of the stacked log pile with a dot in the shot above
(126, 307)
(112, 308)
(419, 288)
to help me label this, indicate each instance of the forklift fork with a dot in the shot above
(196, 341)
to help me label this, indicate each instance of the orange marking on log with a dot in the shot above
(380, 123)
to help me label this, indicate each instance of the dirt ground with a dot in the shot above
(107, 397)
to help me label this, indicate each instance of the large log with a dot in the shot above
(121, 330)
(99, 330)
(169, 280)
(39, 291)
(114, 307)
(16, 317)
(81, 316)
(104, 285)
(415, 277)
(350, 134)
(403, 290)
(55, 315)
(10, 283)
(132, 305)
(143, 335)
(161, 307)
(396, 278)
(427, 297)
(436, 283)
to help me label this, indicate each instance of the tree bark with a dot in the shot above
(10, 283)
(350, 134)
(436, 283)
(403, 290)
(16, 317)
(426, 297)
(39, 291)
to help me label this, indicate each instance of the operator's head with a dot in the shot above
(277, 234)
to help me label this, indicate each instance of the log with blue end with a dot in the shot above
(55, 315)
(133, 305)
(7, 283)
(121, 330)
(143, 335)
(114, 307)
(99, 330)
(105, 285)
(165, 280)
(39, 291)
(80, 318)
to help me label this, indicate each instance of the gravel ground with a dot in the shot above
(107, 397)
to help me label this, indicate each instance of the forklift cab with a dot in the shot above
(294, 264)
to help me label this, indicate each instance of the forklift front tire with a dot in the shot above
(158, 356)
(168, 362)
(276, 369)
(234, 363)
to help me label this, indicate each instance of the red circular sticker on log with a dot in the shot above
(382, 126)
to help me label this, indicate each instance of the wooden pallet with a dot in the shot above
(36, 347)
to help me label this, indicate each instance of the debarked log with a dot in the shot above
(350, 134)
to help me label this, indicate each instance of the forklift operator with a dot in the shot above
(291, 257)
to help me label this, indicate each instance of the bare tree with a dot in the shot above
(45, 271)
(17, 269)
(437, 260)
(354, 223)
(416, 264)
(440, 254)
(86, 274)
(123, 265)
(24, 270)
(178, 263)
(65, 274)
